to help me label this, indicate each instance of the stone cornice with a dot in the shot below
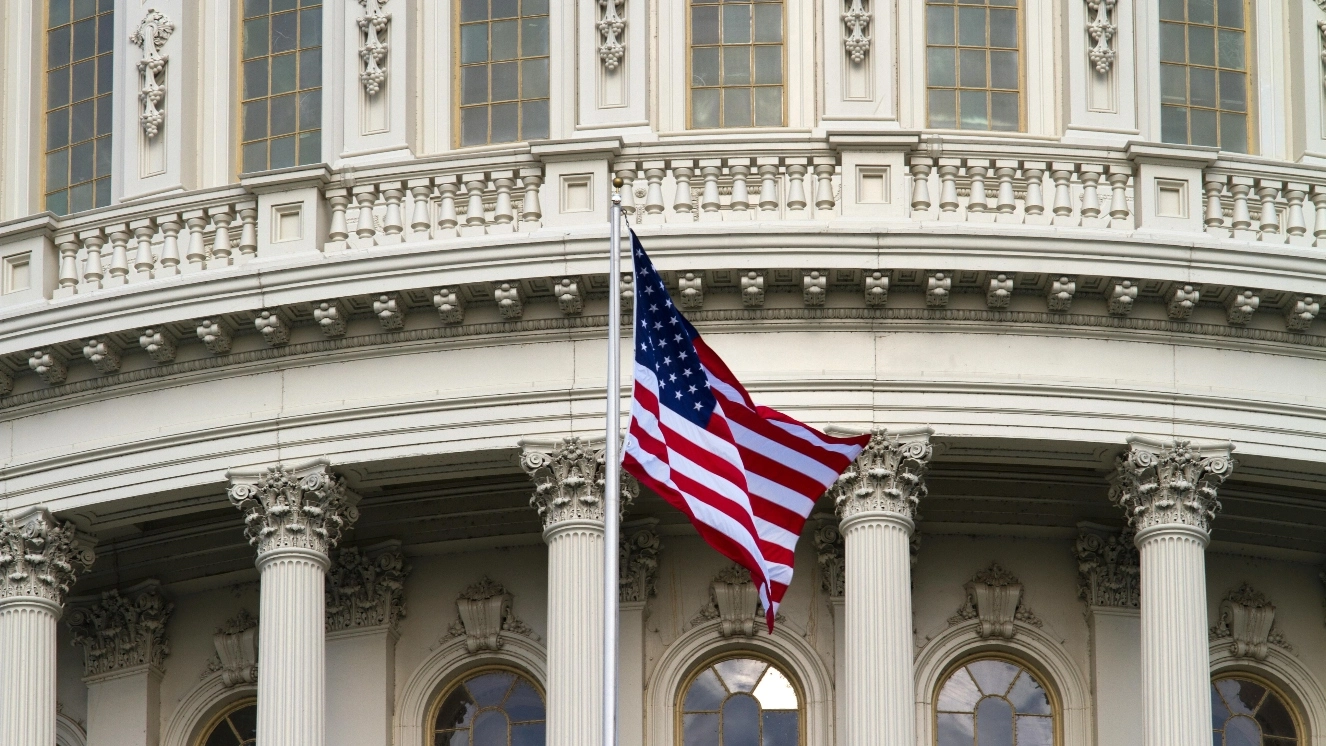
(122, 631)
(40, 557)
(568, 479)
(1170, 484)
(306, 507)
(888, 476)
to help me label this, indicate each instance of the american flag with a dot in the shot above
(747, 476)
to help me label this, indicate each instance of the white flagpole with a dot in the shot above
(612, 471)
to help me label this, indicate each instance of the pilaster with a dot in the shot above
(568, 494)
(876, 499)
(294, 518)
(1168, 494)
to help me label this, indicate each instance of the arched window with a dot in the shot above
(1245, 712)
(491, 707)
(739, 701)
(237, 726)
(994, 702)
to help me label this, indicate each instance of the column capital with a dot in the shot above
(305, 507)
(568, 479)
(120, 631)
(1170, 484)
(40, 557)
(888, 476)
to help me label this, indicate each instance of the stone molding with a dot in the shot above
(484, 617)
(1108, 569)
(366, 587)
(994, 600)
(305, 507)
(1169, 484)
(568, 479)
(888, 476)
(638, 565)
(41, 557)
(1247, 620)
(122, 631)
(236, 657)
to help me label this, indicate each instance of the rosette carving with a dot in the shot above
(1158, 484)
(123, 630)
(888, 476)
(39, 556)
(1108, 569)
(639, 565)
(366, 588)
(303, 508)
(569, 480)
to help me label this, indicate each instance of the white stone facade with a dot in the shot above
(325, 438)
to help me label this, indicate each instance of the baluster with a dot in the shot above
(195, 250)
(796, 187)
(531, 212)
(1062, 174)
(948, 188)
(248, 230)
(221, 218)
(920, 170)
(1268, 219)
(69, 246)
(170, 244)
(143, 230)
(976, 169)
(824, 199)
(446, 210)
(768, 188)
(119, 266)
(393, 222)
(1005, 171)
(1319, 201)
(654, 172)
(1119, 196)
(366, 197)
(1215, 210)
(421, 193)
(474, 214)
(626, 172)
(1034, 205)
(740, 202)
(1090, 196)
(503, 214)
(1241, 187)
(92, 273)
(1295, 226)
(682, 207)
(339, 200)
(709, 201)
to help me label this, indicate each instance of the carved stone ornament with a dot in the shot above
(1158, 484)
(123, 631)
(734, 603)
(831, 554)
(1247, 619)
(888, 476)
(638, 566)
(236, 657)
(1102, 30)
(611, 25)
(150, 36)
(39, 556)
(994, 599)
(373, 24)
(366, 588)
(568, 481)
(302, 508)
(483, 615)
(1107, 569)
(857, 41)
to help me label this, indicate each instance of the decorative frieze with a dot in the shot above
(1157, 484)
(1247, 620)
(1108, 569)
(1102, 29)
(39, 556)
(483, 615)
(888, 476)
(122, 631)
(568, 481)
(734, 603)
(831, 555)
(611, 26)
(303, 508)
(994, 599)
(366, 588)
(856, 41)
(150, 36)
(373, 24)
(236, 644)
(638, 565)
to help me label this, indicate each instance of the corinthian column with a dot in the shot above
(293, 517)
(568, 493)
(39, 559)
(876, 499)
(1168, 494)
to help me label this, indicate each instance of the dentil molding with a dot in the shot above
(1170, 484)
(236, 657)
(1108, 569)
(994, 599)
(1247, 620)
(122, 631)
(150, 36)
(888, 476)
(638, 563)
(366, 588)
(41, 557)
(484, 615)
(306, 507)
(568, 480)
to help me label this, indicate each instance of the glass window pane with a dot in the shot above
(283, 73)
(474, 84)
(1201, 45)
(1203, 122)
(1201, 86)
(736, 24)
(1174, 124)
(255, 37)
(506, 81)
(1004, 112)
(768, 22)
(506, 118)
(534, 120)
(1004, 29)
(736, 107)
(939, 24)
(971, 68)
(704, 66)
(505, 40)
(769, 106)
(474, 125)
(1171, 43)
(768, 64)
(310, 68)
(1231, 49)
(534, 78)
(1201, 11)
(285, 32)
(534, 37)
(1234, 132)
(704, 107)
(1004, 70)
(943, 108)
(941, 69)
(1233, 93)
(1230, 13)
(704, 25)
(736, 65)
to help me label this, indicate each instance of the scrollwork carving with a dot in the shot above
(306, 508)
(1157, 484)
(150, 37)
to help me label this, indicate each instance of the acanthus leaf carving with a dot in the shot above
(373, 24)
(236, 657)
(1158, 484)
(569, 480)
(40, 557)
(639, 565)
(888, 476)
(304, 508)
(1247, 619)
(857, 21)
(366, 588)
(150, 37)
(120, 631)
(483, 614)
(611, 25)
(1108, 569)
(994, 600)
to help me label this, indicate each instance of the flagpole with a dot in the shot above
(612, 471)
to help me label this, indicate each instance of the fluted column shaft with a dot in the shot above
(575, 633)
(878, 604)
(27, 674)
(1176, 669)
(292, 679)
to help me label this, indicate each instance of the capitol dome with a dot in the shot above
(304, 335)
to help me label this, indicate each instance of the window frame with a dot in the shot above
(457, 134)
(1291, 703)
(1051, 692)
(679, 698)
(688, 125)
(1253, 134)
(1021, 8)
(226, 711)
(460, 677)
